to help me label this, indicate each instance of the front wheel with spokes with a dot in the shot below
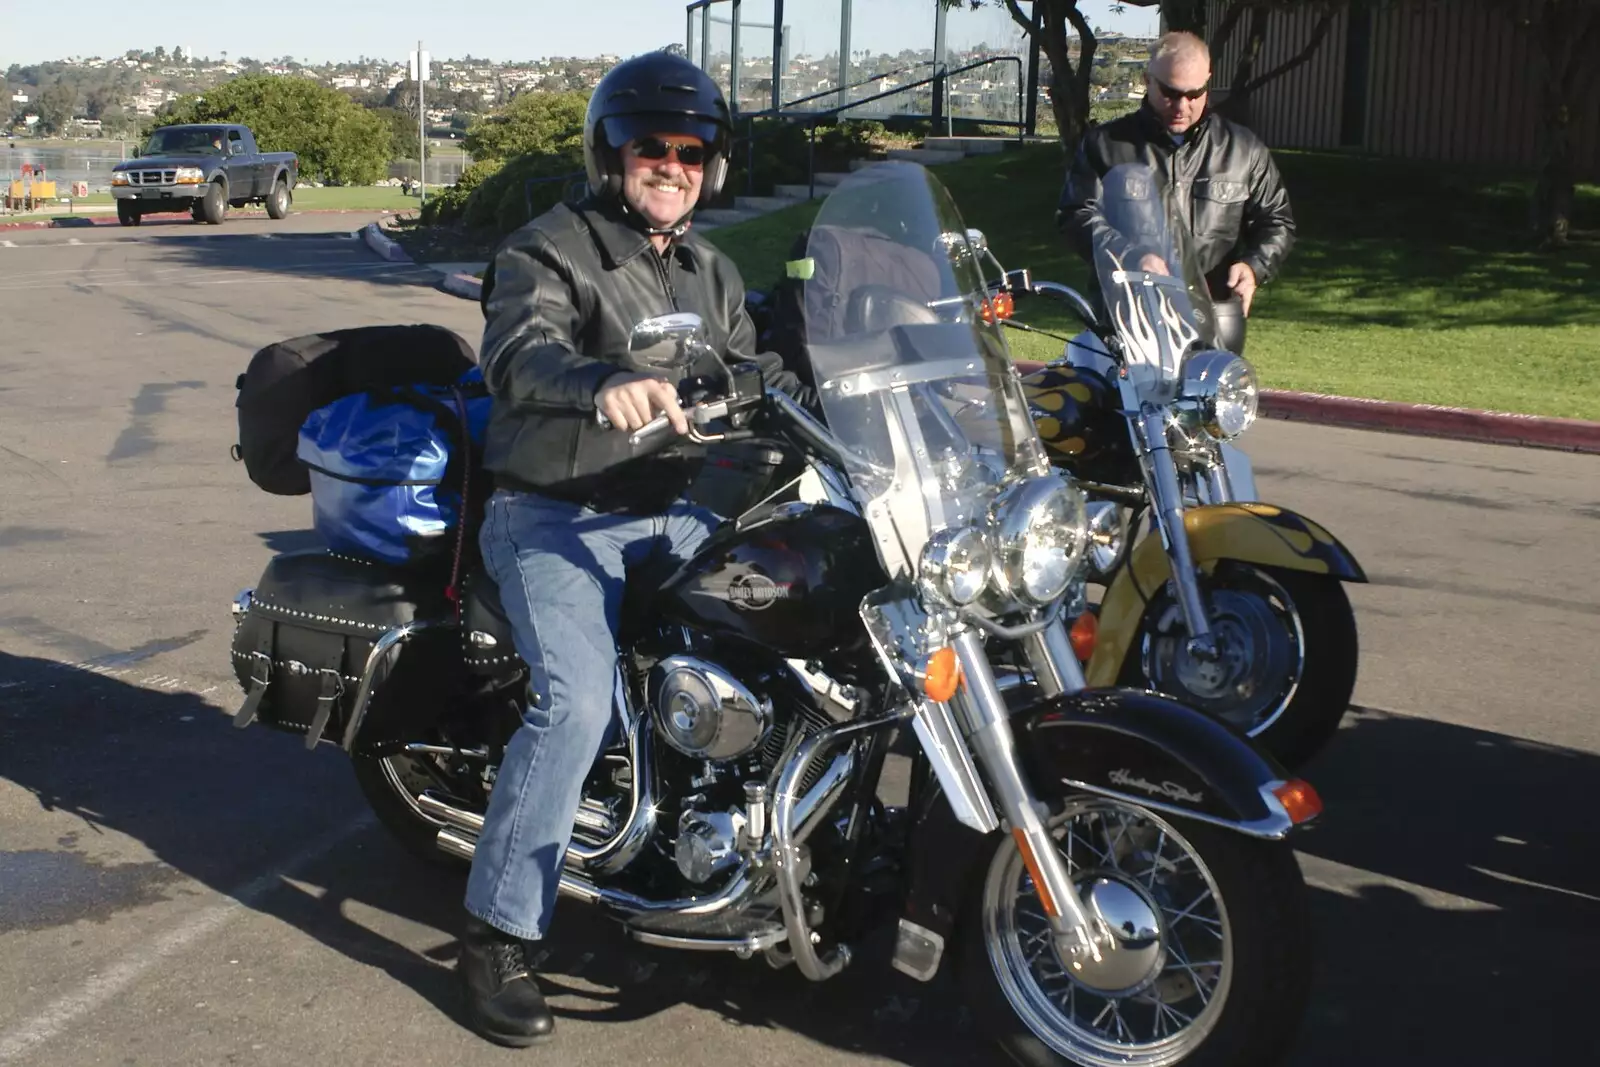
(1211, 961)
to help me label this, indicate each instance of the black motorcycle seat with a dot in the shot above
(320, 590)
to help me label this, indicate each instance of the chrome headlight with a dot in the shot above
(1106, 538)
(189, 176)
(1224, 385)
(1040, 529)
(955, 566)
(119, 178)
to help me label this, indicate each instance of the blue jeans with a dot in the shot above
(561, 570)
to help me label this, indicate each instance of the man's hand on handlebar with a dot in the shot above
(630, 401)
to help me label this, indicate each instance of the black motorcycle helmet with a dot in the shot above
(657, 92)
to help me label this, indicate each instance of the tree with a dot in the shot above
(337, 141)
(178, 56)
(544, 123)
(1070, 80)
(403, 98)
(56, 105)
(403, 132)
(99, 100)
(161, 53)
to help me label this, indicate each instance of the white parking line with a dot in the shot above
(102, 987)
(8, 244)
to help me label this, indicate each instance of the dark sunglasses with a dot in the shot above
(1180, 94)
(690, 155)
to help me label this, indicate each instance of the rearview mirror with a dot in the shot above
(667, 342)
(953, 246)
(979, 243)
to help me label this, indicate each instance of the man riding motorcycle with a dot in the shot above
(573, 510)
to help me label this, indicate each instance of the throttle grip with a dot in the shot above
(649, 430)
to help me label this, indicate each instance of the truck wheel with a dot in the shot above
(278, 200)
(214, 208)
(126, 215)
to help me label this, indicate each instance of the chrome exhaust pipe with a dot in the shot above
(626, 905)
(594, 818)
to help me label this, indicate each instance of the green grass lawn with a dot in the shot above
(1409, 281)
(354, 198)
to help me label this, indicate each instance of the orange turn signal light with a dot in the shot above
(997, 307)
(1084, 633)
(943, 675)
(1299, 800)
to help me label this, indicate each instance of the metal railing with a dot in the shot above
(815, 118)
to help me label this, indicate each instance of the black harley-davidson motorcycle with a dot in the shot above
(1110, 871)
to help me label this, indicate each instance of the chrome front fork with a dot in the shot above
(1166, 497)
(1078, 935)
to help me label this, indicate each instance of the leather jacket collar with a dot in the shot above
(1156, 130)
(617, 231)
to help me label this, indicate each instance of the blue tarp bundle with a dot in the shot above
(387, 467)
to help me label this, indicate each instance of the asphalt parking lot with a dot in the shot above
(173, 891)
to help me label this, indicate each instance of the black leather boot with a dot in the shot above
(503, 1000)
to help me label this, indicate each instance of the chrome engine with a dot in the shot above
(739, 731)
(706, 713)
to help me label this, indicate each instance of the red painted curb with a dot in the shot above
(1466, 424)
(80, 221)
(1426, 420)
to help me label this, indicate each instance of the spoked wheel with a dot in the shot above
(1211, 962)
(1287, 657)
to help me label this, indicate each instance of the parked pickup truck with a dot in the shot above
(204, 169)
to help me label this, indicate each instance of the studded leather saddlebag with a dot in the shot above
(316, 624)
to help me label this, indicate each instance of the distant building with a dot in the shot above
(1446, 82)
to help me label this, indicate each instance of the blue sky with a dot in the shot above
(496, 29)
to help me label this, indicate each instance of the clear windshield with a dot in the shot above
(192, 140)
(913, 381)
(1154, 294)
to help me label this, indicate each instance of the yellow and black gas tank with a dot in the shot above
(1076, 412)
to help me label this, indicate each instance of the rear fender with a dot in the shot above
(1119, 743)
(1247, 532)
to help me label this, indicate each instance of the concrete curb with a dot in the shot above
(383, 244)
(1433, 420)
(1423, 420)
(463, 285)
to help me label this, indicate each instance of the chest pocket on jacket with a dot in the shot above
(1219, 206)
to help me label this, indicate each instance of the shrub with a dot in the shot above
(506, 200)
(531, 123)
(448, 204)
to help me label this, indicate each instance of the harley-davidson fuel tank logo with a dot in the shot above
(756, 592)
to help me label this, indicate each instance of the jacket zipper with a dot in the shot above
(664, 269)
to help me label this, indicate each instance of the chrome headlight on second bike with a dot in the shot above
(1039, 529)
(1223, 388)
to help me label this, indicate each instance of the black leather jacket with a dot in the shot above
(1229, 194)
(559, 300)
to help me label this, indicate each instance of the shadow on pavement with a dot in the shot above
(326, 250)
(1485, 955)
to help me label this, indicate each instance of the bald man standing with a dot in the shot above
(1227, 191)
